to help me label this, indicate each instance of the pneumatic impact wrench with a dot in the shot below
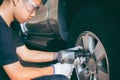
(69, 55)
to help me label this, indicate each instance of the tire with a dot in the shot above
(105, 27)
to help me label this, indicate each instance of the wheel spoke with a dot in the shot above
(103, 66)
(89, 43)
(102, 75)
(85, 43)
(99, 52)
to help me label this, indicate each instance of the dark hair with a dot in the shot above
(44, 1)
(1, 2)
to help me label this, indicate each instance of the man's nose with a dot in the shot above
(33, 13)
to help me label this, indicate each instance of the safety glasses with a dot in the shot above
(30, 6)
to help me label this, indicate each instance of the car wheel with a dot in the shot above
(96, 66)
(97, 31)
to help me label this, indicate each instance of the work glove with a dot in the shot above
(79, 61)
(63, 69)
(71, 55)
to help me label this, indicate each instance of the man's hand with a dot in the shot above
(63, 69)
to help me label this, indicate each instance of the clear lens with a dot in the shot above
(30, 6)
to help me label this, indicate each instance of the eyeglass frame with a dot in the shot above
(35, 7)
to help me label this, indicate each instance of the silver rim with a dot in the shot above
(96, 66)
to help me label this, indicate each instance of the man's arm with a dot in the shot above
(16, 71)
(34, 55)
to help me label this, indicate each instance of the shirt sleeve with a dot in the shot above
(15, 26)
(19, 40)
(7, 47)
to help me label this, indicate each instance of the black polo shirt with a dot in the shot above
(8, 43)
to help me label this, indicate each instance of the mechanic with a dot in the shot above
(12, 46)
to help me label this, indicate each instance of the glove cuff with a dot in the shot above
(52, 65)
(59, 57)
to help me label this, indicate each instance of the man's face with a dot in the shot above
(28, 10)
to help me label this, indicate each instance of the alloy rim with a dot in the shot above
(96, 66)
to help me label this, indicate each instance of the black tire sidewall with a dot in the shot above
(102, 24)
